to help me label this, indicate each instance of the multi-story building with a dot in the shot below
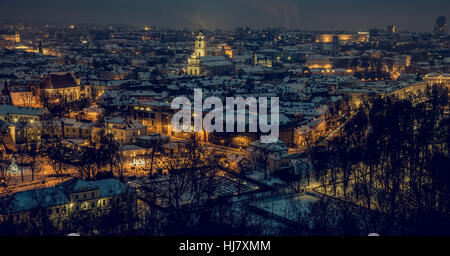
(10, 36)
(24, 122)
(346, 39)
(125, 131)
(156, 115)
(270, 157)
(324, 38)
(68, 199)
(14, 114)
(319, 61)
(73, 129)
(435, 78)
(265, 62)
(310, 132)
(363, 37)
(27, 134)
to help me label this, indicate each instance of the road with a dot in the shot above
(333, 133)
(224, 149)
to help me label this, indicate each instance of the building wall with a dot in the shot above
(200, 45)
(25, 99)
(92, 204)
(193, 68)
(124, 135)
(70, 94)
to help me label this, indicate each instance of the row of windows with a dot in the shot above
(115, 133)
(85, 195)
(21, 118)
(84, 206)
(146, 114)
(121, 133)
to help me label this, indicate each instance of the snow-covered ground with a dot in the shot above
(271, 181)
(287, 207)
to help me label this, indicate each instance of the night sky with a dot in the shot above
(352, 15)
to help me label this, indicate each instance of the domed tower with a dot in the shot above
(200, 45)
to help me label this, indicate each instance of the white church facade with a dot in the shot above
(200, 63)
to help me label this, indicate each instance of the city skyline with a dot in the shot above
(415, 16)
(297, 118)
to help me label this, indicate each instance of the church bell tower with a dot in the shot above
(200, 45)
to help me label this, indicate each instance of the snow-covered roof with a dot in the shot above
(18, 110)
(60, 194)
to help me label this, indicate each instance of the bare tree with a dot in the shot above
(4, 167)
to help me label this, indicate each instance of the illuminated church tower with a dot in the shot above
(193, 67)
(200, 45)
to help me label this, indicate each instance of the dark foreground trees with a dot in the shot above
(392, 158)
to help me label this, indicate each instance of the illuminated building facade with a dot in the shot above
(324, 38)
(200, 45)
(363, 37)
(226, 50)
(273, 157)
(125, 131)
(60, 85)
(193, 67)
(263, 62)
(14, 114)
(319, 61)
(157, 117)
(435, 78)
(10, 36)
(26, 99)
(346, 39)
(70, 198)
